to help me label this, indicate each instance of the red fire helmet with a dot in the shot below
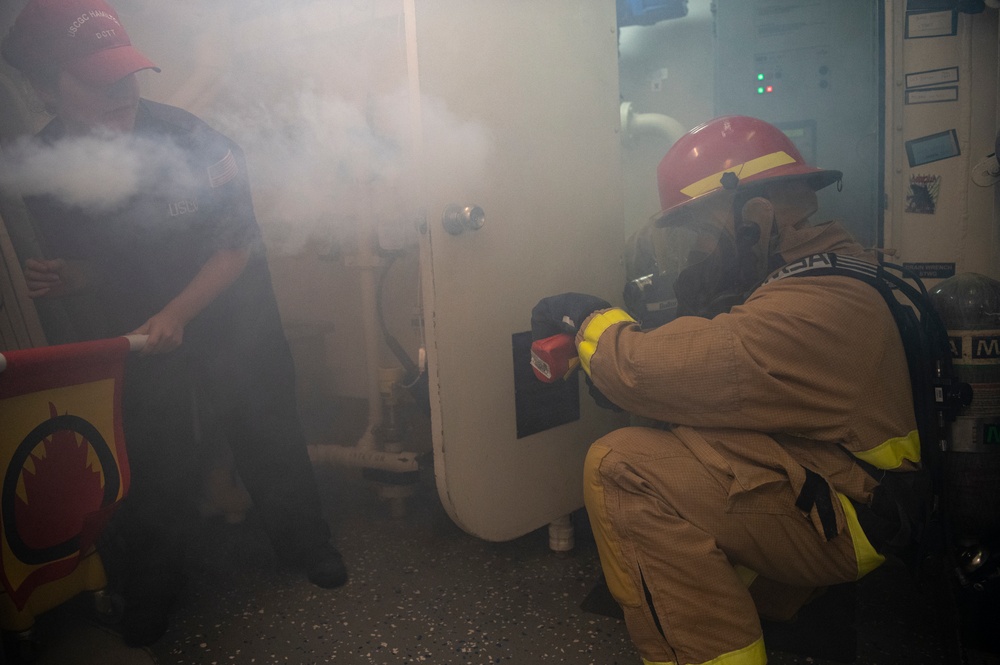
(751, 150)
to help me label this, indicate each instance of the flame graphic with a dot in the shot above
(59, 486)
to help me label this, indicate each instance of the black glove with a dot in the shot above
(600, 399)
(563, 313)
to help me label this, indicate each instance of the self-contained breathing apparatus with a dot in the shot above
(937, 395)
(943, 527)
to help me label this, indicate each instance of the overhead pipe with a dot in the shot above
(635, 125)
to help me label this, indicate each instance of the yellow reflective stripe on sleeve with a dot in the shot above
(868, 558)
(755, 654)
(890, 454)
(595, 328)
(745, 170)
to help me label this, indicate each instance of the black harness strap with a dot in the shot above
(937, 395)
(816, 492)
(925, 341)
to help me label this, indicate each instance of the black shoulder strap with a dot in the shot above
(937, 395)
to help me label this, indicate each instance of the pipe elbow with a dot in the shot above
(637, 125)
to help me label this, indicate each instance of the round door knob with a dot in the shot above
(458, 218)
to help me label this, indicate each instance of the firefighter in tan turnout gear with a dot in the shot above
(784, 402)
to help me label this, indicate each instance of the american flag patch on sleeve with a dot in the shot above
(223, 170)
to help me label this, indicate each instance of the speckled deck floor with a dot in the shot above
(422, 591)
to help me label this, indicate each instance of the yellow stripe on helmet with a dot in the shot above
(745, 170)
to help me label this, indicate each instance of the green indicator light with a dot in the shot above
(760, 77)
(760, 91)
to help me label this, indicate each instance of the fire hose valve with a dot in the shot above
(554, 358)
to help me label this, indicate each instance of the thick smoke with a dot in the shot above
(318, 162)
(316, 94)
(96, 173)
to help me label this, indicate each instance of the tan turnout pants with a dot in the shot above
(690, 567)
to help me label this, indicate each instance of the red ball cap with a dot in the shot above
(727, 153)
(83, 37)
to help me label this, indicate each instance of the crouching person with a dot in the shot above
(785, 398)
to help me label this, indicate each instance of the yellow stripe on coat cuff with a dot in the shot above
(586, 344)
(890, 454)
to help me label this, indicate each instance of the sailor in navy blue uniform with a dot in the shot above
(182, 261)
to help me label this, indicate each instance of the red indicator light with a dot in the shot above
(769, 88)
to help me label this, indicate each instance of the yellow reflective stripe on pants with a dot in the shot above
(617, 578)
(890, 454)
(596, 326)
(868, 558)
(755, 654)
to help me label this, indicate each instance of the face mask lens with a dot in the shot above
(687, 245)
(709, 286)
(704, 260)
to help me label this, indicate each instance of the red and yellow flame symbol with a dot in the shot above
(62, 478)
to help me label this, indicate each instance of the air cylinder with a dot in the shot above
(969, 306)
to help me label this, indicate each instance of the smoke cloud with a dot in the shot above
(316, 94)
(96, 173)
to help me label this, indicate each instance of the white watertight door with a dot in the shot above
(516, 103)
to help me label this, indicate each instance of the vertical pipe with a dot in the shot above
(366, 264)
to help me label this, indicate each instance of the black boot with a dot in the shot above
(145, 620)
(148, 599)
(324, 566)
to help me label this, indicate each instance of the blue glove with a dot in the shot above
(563, 313)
